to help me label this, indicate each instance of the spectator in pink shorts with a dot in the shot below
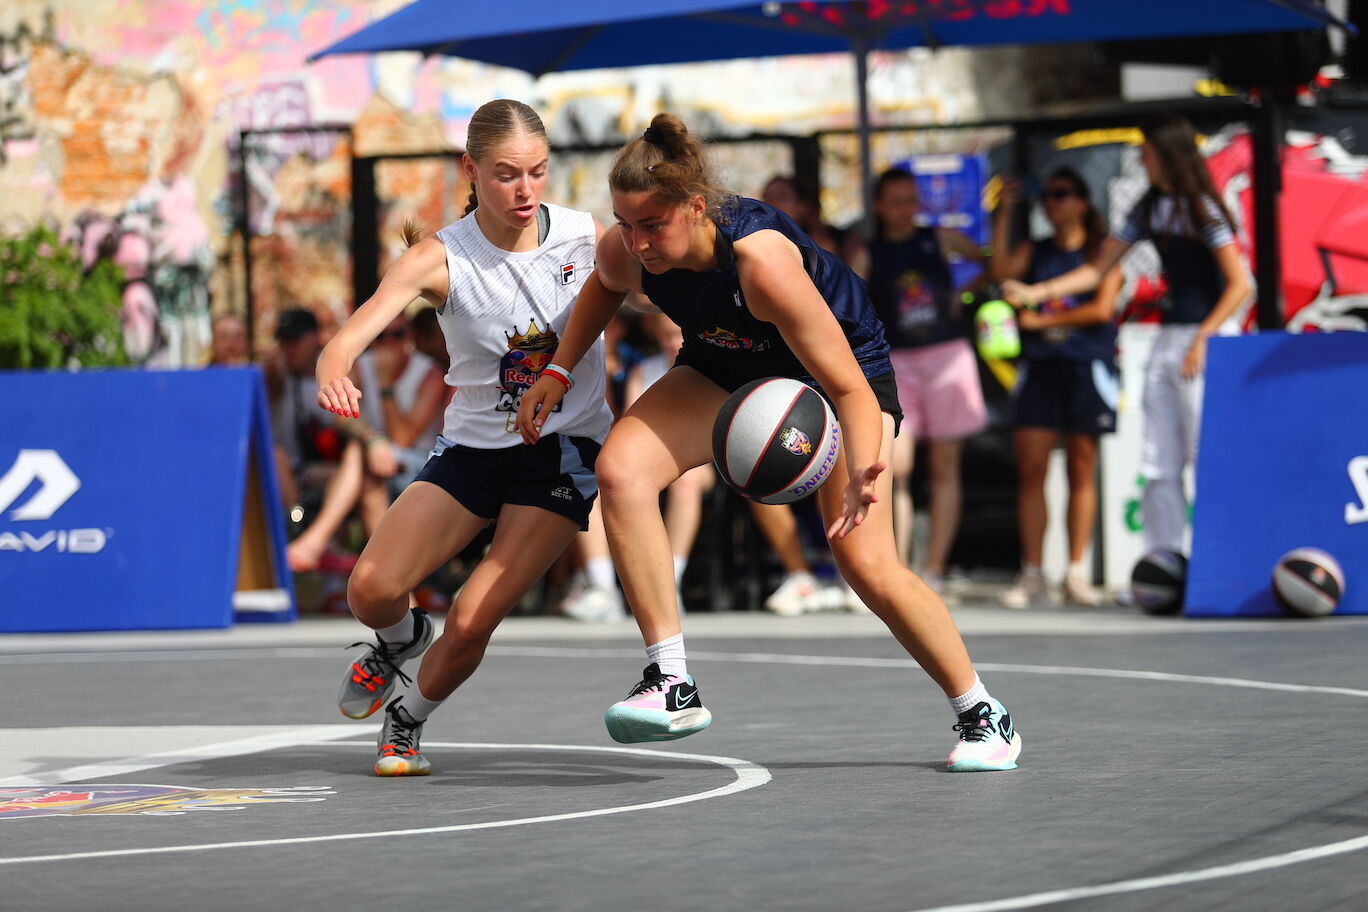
(938, 386)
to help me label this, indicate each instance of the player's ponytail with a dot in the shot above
(411, 233)
(670, 162)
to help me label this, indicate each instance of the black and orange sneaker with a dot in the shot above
(398, 744)
(370, 679)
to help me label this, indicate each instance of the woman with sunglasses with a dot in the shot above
(1183, 215)
(1067, 384)
(755, 297)
(503, 279)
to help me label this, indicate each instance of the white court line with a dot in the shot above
(236, 748)
(1251, 866)
(748, 776)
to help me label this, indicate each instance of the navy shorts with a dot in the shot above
(885, 387)
(556, 473)
(1072, 397)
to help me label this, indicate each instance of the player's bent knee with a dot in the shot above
(370, 587)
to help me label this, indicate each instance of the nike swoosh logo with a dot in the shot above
(682, 700)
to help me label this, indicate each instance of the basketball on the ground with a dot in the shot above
(1308, 582)
(1158, 580)
(776, 440)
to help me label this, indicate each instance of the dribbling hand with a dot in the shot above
(341, 397)
(537, 403)
(855, 501)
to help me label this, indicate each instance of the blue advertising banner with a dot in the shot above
(1283, 464)
(950, 187)
(138, 500)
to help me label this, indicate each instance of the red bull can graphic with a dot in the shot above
(151, 800)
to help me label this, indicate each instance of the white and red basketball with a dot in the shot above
(1308, 582)
(776, 440)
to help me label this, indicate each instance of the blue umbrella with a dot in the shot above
(545, 36)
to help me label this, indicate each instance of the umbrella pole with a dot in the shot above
(860, 44)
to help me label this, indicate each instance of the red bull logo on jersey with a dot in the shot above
(795, 441)
(152, 800)
(726, 339)
(528, 353)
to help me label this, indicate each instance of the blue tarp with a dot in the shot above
(542, 36)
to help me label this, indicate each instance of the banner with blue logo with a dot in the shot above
(138, 500)
(950, 187)
(1283, 464)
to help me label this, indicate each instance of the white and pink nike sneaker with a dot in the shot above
(988, 741)
(660, 708)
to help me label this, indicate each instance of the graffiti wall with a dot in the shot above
(120, 123)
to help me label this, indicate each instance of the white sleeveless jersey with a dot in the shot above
(504, 316)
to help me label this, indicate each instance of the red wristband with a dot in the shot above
(559, 373)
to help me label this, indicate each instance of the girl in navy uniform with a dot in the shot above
(755, 297)
(1066, 378)
(502, 280)
(1194, 234)
(915, 296)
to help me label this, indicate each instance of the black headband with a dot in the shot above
(653, 136)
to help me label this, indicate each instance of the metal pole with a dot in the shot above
(1268, 140)
(245, 231)
(860, 45)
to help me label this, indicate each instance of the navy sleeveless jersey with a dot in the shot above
(1071, 343)
(913, 290)
(719, 330)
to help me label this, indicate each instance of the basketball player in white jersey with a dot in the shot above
(502, 279)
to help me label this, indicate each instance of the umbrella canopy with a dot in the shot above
(545, 36)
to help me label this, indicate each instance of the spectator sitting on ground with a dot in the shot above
(228, 344)
(316, 449)
(406, 398)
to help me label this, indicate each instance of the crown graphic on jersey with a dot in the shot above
(535, 339)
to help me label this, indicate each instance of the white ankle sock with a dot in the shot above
(400, 633)
(1079, 568)
(669, 655)
(971, 698)
(600, 573)
(416, 705)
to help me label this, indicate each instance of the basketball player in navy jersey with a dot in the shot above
(755, 297)
(502, 279)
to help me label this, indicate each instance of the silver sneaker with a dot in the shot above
(370, 679)
(397, 744)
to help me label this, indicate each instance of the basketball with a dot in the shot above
(1307, 582)
(776, 440)
(1157, 582)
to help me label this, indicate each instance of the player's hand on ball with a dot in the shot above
(855, 501)
(537, 403)
(341, 397)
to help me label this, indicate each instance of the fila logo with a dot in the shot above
(45, 467)
(567, 273)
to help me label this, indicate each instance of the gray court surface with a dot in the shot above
(1167, 764)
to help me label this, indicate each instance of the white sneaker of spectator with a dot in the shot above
(594, 605)
(1079, 590)
(797, 594)
(1029, 589)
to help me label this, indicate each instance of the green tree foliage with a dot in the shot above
(53, 313)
